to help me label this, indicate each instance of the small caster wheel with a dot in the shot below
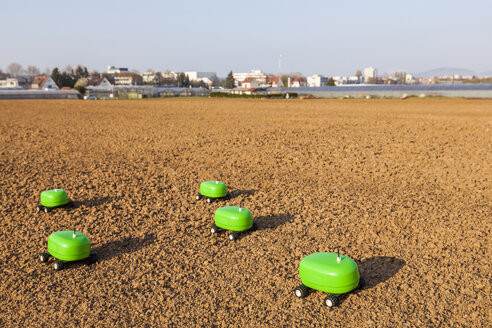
(46, 210)
(198, 197)
(58, 265)
(362, 283)
(44, 257)
(209, 200)
(38, 208)
(254, 227)
(214, 229)
(301, 291)
(232, 236)
(331, 301)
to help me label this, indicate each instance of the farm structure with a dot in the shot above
(397, 91)
(144, 91)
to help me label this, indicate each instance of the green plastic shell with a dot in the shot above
(233, 218)
(54, 197)
(62, 245)
(322, 271)
(213, 189)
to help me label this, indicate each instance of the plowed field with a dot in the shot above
(402, 186)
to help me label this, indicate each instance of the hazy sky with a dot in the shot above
(326, 37)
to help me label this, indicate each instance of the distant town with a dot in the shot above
(121, 82)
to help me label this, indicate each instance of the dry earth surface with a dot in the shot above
(403, 186)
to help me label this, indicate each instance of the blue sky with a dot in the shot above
(326, 37)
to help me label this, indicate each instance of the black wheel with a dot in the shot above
(228, 196)
(58, 265)
(46, 210)
(362, 283)
(254, 227)
(301, 291)
(209, 200)
(233, 236)
(214, 229)
(198, 197)
(44, 257)
(331, 301)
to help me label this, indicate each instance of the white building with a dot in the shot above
(256, 74)
(168, 75)
(9, 83)
(316, 81)
(370, 73)
(127, 79)
(149, 77)
(409, 79)
(114, 70)
(200, 76)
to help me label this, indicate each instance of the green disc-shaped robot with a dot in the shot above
(68, 246)
(235, 219)
(54, 198)
(213, 190)
(331, 273)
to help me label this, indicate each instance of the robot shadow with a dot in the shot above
(378, 269)
(238, 192)
(93, 202)
(272, 221)
(126, 245)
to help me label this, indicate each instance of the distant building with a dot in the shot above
(205, 77)
(298, 82)
(169, 75)
(44, 82)
(99, 81)
(257, 74)
(409, 79)
(249, 83)
(115, 70)
(9, 83)
(272, 82)
(127, 79)
(151, 77)
(370, 74)
(316, 81)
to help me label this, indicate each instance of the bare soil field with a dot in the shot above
(402, 186)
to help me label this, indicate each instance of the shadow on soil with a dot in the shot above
(123, 246)
(375, 270)
(93, 202)
(272, 221)
(238, 192)
(378, 269)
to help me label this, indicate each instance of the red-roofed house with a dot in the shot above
(250, 82)
(272, 81)
(44, 82)
(298, 82)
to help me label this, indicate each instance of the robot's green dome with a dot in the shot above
(329, 273)
(69, 245)
(233, 218)
(54, 197)
(214, 189)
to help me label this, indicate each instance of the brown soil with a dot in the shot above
(403, 186)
